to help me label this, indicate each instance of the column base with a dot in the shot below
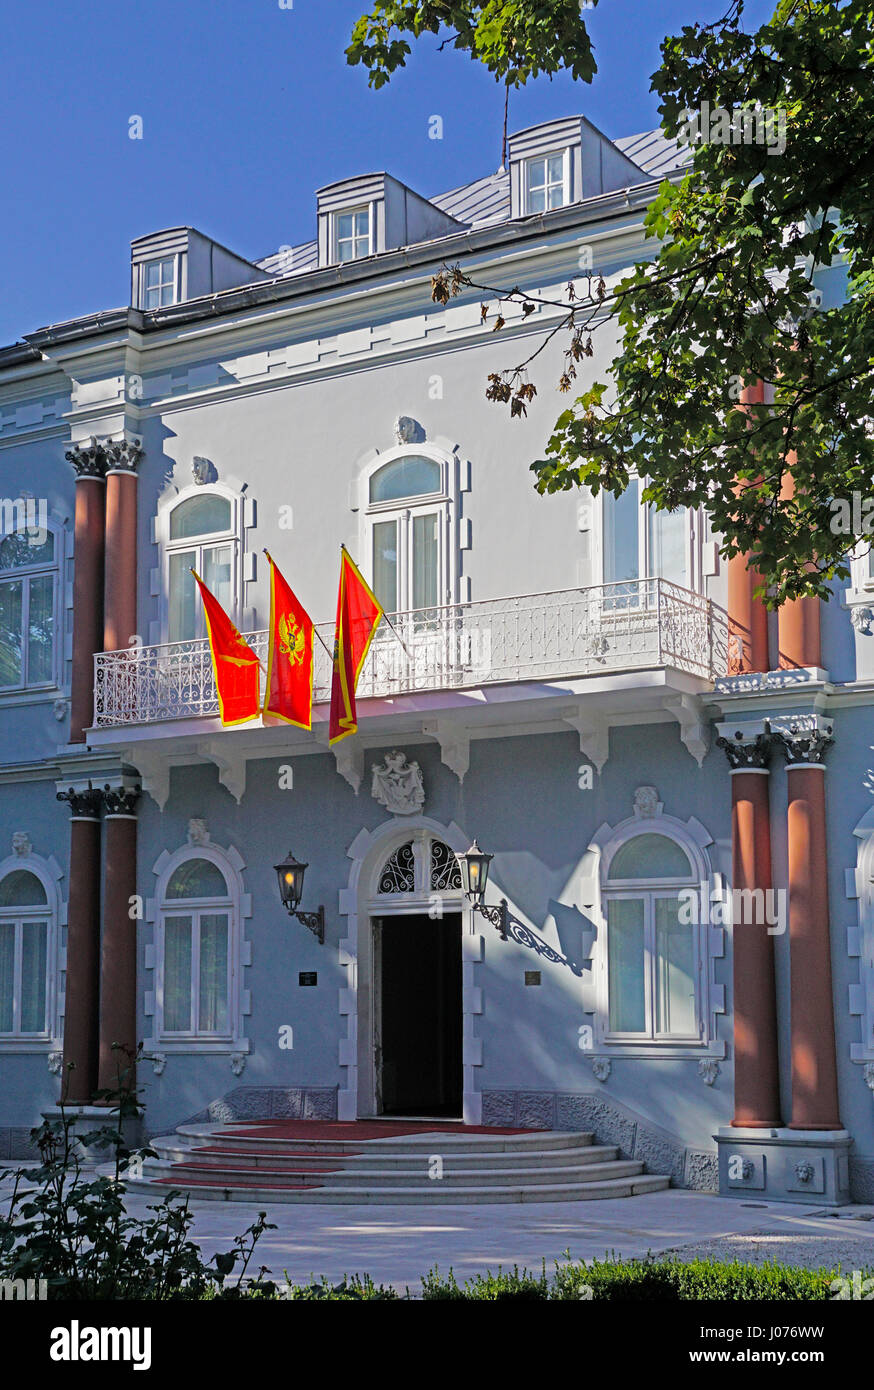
(785, 1165)
(85, 1119)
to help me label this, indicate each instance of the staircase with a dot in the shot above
(369, 1162)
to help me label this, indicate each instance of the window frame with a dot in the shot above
(234, 905)
(403, 511)
(48, 874)
(173, 259)
(25, 574)
(354, 211)
(693, 555)
(544, 159)
(234, 537)
(649, 889)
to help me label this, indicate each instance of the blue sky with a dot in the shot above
(247, 108)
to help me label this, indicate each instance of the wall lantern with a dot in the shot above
(291, 874)
(475, 877)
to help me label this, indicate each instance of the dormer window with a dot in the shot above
(547, 182)
(159, 283)
(352, 234)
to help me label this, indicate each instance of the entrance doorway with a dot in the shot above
(417, 974)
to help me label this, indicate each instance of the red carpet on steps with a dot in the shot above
(354, 1129)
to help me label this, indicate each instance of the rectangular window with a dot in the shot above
(159, 283)
(352, 238)
(11, 643)
(196, 974)
(7, 976)
(675, 970)
(385, 564)
(213, 1010)
(627, 957)
(546, 183)
(425, 560)
(668, 534)
(23, 964)
(177, 974)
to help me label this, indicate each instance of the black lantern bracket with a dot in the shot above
(499, 915)
(315, 921)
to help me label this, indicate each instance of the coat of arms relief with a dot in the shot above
(398, 785)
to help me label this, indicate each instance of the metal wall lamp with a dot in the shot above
(291, 874)
(474, 877)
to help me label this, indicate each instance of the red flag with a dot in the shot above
(234, 664)
(289, 690)
(358, 616)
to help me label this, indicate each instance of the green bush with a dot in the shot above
(69, 1228)
(639, 1280)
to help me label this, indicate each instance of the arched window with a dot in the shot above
(202, 534)
(653, 949)
(419, 867)
(26, 951)
(197, 949)
(411, 535)
(29, 561)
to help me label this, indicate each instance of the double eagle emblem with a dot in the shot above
(292, 644)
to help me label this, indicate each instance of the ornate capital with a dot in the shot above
(123, 457)
(804, 743)
(85, 803)
(94, 460)
(746, 753)
(121, 801)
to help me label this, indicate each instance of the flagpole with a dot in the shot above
(315, 629)
(384, 614)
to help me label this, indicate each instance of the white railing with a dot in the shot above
(532, 637)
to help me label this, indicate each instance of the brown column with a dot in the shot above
(118, 972)
(756, 1064)
(747, 615)
(798, 618)
(83, 946)
(120, 621)
(88, 560)
(814, 1062)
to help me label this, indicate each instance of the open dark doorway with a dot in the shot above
(419, 1026)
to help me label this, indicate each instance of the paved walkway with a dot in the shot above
(397, 1245)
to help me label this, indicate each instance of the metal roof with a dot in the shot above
(486, 201)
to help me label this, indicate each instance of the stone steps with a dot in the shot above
(352, 1163)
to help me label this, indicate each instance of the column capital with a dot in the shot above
(84, 802)
(101, 456)
(121, 801)
(805, 740)
(746, 754)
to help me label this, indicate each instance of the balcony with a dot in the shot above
(607, 629)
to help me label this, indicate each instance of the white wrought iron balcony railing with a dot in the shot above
(533, 637)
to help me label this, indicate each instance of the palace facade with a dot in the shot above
(583, 686)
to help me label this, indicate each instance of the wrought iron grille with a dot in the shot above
(575, 632)
(399, 871)
(445, 869)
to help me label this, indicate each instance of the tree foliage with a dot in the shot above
(728, 297)
(513, 39)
